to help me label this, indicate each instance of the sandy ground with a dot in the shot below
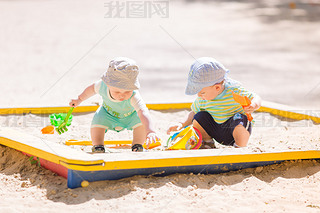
(289, 187)
(50, 50)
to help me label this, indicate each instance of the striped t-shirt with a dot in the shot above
(223, 106)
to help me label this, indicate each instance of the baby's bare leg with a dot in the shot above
(241, 136)
(97, 136)
(204, 134)
(139, 135)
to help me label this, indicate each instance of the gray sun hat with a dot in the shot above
(122, 73)
(205, 72)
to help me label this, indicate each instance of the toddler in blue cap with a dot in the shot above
(215, 113)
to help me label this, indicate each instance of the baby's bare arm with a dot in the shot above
(87, 93)
(180, 125)
(188, 120)
(146, 121)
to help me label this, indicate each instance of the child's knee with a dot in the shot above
(240, 130)
(241, 136)
(202, 115)
(195, 123)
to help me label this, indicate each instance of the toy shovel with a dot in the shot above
(63, 126)
(244, 101)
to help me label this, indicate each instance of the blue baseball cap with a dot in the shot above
(205, 72)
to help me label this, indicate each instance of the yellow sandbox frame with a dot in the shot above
(81, 166)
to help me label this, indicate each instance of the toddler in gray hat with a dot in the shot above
(122, 108)
(215, 113)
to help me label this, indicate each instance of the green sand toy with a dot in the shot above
(61, 121)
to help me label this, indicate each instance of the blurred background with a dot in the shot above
(51, 50)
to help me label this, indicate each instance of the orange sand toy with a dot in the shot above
(152, 145)
(119, 143)
(126, 146)
(48, 130)
(244, 101)
(88, 143)
(120, 146)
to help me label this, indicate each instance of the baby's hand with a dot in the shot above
(174, 127)
(152, 138)
(75, 102)
(251, 108)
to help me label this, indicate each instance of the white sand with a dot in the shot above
(270, 188)
(51, 50)
(291, 187)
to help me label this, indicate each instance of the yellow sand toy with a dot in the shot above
(186, 139)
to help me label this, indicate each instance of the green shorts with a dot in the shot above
(103, 119)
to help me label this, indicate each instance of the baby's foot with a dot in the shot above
(98, 149)
(137, 148)
(208, 145)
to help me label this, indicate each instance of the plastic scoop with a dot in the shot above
(152, 145)
(244, 101)
(57, 119)
(62, 124)
(48, 130)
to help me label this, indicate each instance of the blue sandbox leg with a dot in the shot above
(74, 180)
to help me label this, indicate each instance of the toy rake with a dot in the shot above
(63, 126)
